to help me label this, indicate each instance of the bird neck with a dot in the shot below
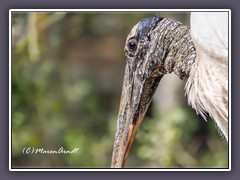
(178, 51)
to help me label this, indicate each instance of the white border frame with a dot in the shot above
(114, 10)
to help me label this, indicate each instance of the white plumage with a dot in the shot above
(207, 86)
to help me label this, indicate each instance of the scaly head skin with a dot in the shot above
(154, 47)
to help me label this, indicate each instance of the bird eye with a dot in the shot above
(132, 44)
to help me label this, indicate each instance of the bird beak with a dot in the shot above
(137, 93)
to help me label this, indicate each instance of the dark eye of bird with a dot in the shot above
(132, 44)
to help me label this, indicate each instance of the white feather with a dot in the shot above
(207, 86)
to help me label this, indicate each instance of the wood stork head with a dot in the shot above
(154, 47)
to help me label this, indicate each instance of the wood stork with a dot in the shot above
(157, 46)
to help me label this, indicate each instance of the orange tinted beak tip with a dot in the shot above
(129, 143)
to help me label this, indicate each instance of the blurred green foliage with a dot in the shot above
(67, 71)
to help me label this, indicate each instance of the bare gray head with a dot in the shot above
(154, 47)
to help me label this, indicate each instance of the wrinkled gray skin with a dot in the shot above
(154, 47)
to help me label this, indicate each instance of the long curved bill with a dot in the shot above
(137, 93)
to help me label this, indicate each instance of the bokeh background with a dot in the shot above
(67, 73)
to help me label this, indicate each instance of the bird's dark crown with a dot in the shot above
(146, 25)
